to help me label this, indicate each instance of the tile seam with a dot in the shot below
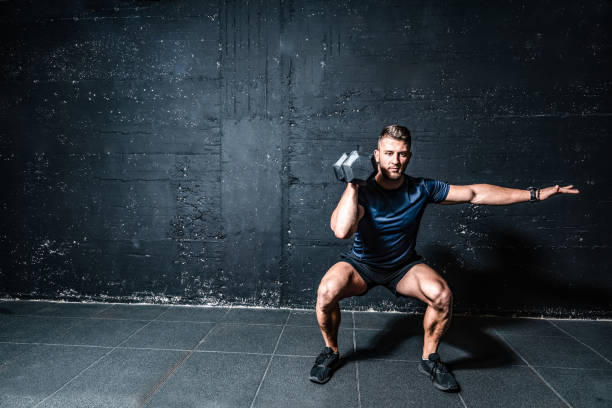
(270, 360)
(533, 369)
(356, 362)
(103, 309)
(93, 317)
(395, 360)
(581, 342)
(147, 398)
(462, 400)
(94, 363)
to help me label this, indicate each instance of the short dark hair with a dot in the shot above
(396, 132)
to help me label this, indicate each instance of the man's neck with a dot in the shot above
(386, 183)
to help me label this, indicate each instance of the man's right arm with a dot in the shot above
(348, 213)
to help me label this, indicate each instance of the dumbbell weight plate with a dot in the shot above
(338, 171)
(357, 168)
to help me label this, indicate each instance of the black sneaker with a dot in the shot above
(437, 372)
(324, 366)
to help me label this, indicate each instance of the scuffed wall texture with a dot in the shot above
(180, 151)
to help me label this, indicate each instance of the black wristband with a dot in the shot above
(534, 197)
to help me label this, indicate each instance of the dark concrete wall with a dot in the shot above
(180, 150)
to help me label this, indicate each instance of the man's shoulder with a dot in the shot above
(422, 181)
(415, 181)
(419, 185)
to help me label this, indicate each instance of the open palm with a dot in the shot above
(551, 191)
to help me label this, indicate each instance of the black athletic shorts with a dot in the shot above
(374, 276)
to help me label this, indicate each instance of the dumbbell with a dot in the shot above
(353, 168)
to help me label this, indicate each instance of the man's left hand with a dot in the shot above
(551, 191)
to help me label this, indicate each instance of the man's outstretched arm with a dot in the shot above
(488, 194)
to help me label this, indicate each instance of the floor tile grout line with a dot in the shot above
(147, 398)
(33, 343)
(356, 362)
(237, 323)
(104, 310)
(249, 353)
(297, 310)
(270, 360)
(92, 317)
(533, 369)
(294, 355)
(462, 401)
(80, 317)
(70, 326)
(261, 354)
(93, 364)
(581, 342)
(533, 335)
(162, 313)
(573, 368)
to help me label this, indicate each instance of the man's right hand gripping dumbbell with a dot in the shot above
(353, 168)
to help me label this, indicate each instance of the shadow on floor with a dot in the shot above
(483, 349)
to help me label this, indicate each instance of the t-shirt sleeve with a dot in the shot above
(437, 190)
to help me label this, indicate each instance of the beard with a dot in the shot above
(388, 175)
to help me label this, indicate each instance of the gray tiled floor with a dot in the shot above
(103, 355)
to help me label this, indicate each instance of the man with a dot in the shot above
(384, 214)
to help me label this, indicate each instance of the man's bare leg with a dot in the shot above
(435, 323)
(423, 283)
(329, 322)
(340, 281)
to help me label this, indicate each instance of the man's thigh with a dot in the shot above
(343, 280)
(421, 282)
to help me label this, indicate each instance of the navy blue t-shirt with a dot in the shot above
(386, 235)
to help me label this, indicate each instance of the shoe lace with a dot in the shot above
(438, 366)
(323, 356)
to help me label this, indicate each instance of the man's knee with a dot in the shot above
(442, 298)
(328, 294)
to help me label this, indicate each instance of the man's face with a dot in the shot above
(392, 157)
